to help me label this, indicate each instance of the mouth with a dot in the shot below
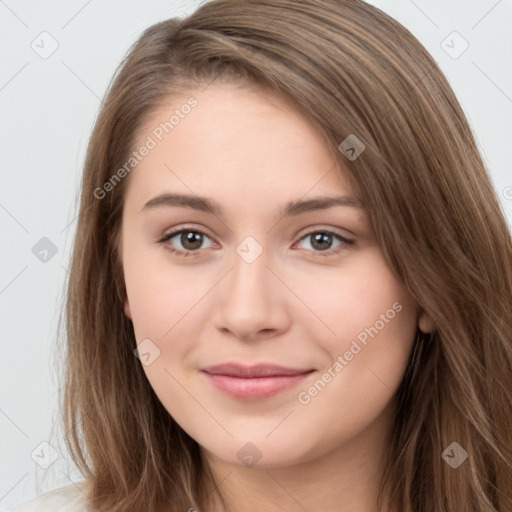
(254, 382)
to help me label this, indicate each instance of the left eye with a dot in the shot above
(319, 240)
(191, 241)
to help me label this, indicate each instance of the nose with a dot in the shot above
(251, 301)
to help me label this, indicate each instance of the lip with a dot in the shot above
(254, 382)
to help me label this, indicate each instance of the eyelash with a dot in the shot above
(179, 252)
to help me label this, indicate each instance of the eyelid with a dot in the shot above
(314, 228)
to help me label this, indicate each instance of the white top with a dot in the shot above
(71, 498)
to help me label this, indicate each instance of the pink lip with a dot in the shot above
(253, 382)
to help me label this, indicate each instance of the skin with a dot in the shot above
(252, 152)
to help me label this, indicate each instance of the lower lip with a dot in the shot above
(257, 387)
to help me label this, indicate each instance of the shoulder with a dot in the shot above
(72, 498)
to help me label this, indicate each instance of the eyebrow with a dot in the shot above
(207, 205)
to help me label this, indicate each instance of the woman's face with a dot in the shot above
(257, 282)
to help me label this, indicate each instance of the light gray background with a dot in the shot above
(48, 108)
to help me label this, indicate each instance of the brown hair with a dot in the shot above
(351, 69)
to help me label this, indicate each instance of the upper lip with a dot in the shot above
(259, 370)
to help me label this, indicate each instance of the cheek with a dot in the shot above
(363, 305)
(374, 321)
(158, 294)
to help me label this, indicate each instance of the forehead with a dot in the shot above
(234, 143)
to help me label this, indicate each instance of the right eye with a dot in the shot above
(190, 239)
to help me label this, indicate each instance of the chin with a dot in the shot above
(259, 454)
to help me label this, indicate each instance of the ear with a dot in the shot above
(425, 322)
(127, 310)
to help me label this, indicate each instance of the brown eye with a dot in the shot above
(190, 240)
(322, 241)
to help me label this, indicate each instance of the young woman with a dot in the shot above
(291, 279)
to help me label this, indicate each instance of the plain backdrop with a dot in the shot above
(49, 103)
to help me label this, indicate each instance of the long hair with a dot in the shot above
(354, 72)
